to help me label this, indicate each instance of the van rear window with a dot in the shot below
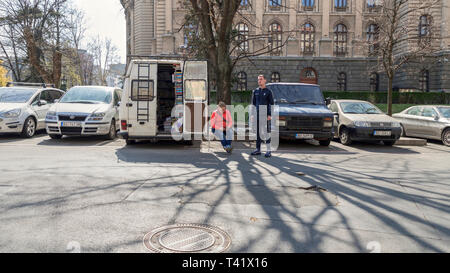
(195, 90)
(142, 90)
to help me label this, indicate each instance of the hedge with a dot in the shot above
(244, 97)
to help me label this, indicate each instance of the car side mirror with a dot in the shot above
(118, 103)
(42, 102)
(436, 118)
(328, 101)
(336, 114)
(56, 100)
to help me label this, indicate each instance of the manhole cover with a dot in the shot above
(187, 238)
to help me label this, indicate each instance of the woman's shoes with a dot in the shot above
(229, 149)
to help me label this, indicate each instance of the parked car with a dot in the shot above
(85, 110)
(362, 121)
(303, 113)
(426, 121)
(23, 107)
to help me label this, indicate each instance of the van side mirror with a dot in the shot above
(328, 101)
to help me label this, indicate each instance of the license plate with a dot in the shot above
(304, 136)
(382, 133)
(70, 124)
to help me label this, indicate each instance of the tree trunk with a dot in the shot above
(224, 71)
(389, 99)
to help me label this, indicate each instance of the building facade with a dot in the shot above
(322, 42)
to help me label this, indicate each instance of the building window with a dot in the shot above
(275, 42)
(424, 28)
(307, 38)
(373, 5)
(340, 5)
(374, 82)
(340, 40)
(424, 80)
(342, 82)
(372, 38)
(275, 77)
(242, 81)
(308, 75)
(245, 4)
(308, 4)
(242, 37)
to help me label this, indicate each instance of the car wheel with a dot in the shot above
(344, 136)
(130, 141)
(446, 137)
(325, 142)
(112, 131)
(29, 128)
(388, 142)
(55, 136)
(403, 133)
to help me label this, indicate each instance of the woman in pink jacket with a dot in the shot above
(222, 126)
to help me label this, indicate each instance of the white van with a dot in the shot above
(159, 94)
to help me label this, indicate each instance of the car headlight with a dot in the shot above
(97, 116)
(11, 114)
(396, 124)
(51, 115)
(328, 122)
(362, 124)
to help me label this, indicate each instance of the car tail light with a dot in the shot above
(124, 125)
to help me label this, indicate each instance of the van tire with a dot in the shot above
(325, 143)
(112, 131)
(29, 128)
(130, 141)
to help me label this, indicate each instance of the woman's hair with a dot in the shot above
(222, 104)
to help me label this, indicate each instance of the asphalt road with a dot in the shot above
(92, 195)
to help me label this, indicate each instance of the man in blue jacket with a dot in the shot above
(262, 101)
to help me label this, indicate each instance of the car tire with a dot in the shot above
(403, 133)
(112, 131)
(55, 136)
(344, 136)
(130, 141)
(29, 128)
(325, 143)
(388, 142)
(446, 137)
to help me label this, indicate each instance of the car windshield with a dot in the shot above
(359, 108)
(16, 95)
(88, 95)
(445, 111)
(296, 94)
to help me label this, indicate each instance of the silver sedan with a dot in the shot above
(426, 121)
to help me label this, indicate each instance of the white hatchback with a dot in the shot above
(85, 110)
(23, 107)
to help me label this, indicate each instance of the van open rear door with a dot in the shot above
(142, 106)
(196, 95)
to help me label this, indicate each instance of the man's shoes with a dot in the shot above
(257, 152)
(268, 154)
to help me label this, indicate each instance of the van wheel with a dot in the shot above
(29, 128)
(130, 141)
(388, 142)
(112, 131)
(55, 136)
(344, 136)
(446, 137)
(325, 142)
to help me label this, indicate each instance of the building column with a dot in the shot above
(169, 16)
(258, 5)
(358, 40)
(325, 42)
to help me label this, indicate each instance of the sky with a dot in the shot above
(105, 18)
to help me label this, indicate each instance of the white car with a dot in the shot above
(23, 107)
(85, 110)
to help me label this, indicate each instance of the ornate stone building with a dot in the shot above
(324, 47)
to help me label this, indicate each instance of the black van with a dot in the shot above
(303, 112)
